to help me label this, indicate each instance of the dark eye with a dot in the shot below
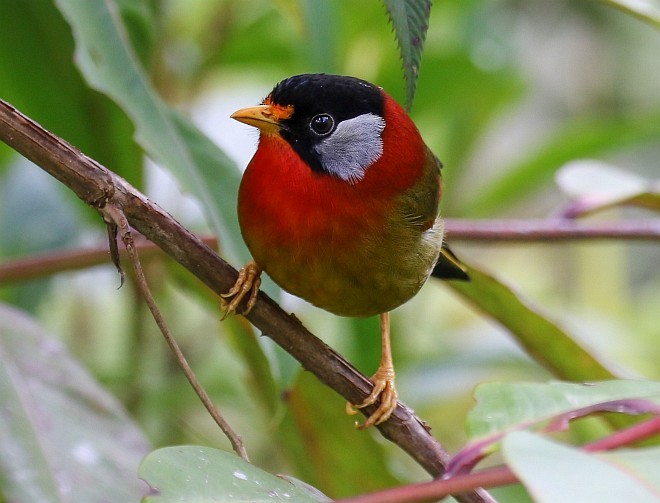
(322, 124)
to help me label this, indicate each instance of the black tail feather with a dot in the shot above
(449, 267)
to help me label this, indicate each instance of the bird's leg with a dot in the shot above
(383, 381)
(248, 281)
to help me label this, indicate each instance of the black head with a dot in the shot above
(336, 123)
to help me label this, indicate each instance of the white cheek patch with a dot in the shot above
(354, 146)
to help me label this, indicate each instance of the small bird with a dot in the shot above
(339, 206)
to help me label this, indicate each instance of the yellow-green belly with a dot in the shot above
(363, 278)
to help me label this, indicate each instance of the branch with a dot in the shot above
(493, 231)
(53, 262)
(551, 229)
(438, 489)
(97, 186)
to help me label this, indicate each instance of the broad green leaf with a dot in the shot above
(595, 185)
(46, 220)
(321, 30)
(201, 474)
(364, 335)
(541, 339)
(641, 463)
(260, 379)
(410, 19)
(555, 473)
(645, 10)
(324, 436)
(457, 112)
(575, 141)
(504, 406)
(62, 437)
(107, 59)
(37, 76)
(140, 26)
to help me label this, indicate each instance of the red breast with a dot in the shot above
(354, 246)
(282, 202)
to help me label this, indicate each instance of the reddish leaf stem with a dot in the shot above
(496, 477)
(437, 489)
(627, 436)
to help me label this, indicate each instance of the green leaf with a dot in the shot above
(140, 26)
(201, 474)
(504, 406)
(46, 220)
(645, 10)
(37, 76)
(642, 463)
(323, 436)
(577, 140)
(595, 185)
(364, 336)
(410, 19)
(260, 375)
(322, 31)
(555, 473)
(106, 57)
(62, 437)
(541, 339)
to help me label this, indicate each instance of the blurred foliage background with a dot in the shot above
(508, 92)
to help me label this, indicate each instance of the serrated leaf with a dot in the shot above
(555, 473)
(504, 406)
(320, 19)
(410, 19)
(107, 59)
(645, 10)
(203, 475)
(62, 437)
(594, 185)
(542, 339)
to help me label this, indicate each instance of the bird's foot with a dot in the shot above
(248, 282)
(384, 389)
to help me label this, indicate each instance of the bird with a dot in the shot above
(339, 206)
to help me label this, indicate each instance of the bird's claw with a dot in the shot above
(384, 389)
(248, 282)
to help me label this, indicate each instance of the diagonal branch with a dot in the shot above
(97, 186)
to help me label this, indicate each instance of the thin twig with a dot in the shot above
(53, 262)
(97, 186)
(494, 231)
(117, 217)
(551, 229)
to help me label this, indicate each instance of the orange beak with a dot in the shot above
(264, 117)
